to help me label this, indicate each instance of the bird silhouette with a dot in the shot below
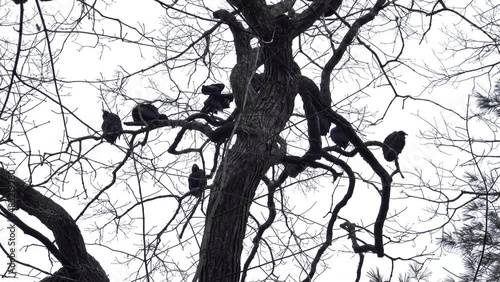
(212, 88)
(111, 126)
(332, 7)
(338, 136)
(197, 181)
(396, 141)
(147, 112)
(216, 101)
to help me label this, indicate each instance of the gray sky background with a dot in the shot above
(79, 63)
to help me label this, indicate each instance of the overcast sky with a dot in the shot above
(80, 62)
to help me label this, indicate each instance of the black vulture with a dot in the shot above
(338, 136)
(396, 141)
(197, 181)
(334, 5)
(324, 124)
(111, 126)
(147, 112)
(216, 101)
(24, 1)
(212, 88)
(257, 82)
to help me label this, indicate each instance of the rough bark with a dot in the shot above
(251, 155)
(78, 264)
(266, 113)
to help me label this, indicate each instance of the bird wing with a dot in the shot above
(390, 139)
(115, 123)
(149, 112)
(212, 88)
(191, 182)
(396, 141)
(338, 137)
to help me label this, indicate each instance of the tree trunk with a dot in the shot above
(247, 161)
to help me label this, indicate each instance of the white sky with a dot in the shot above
(82, 64)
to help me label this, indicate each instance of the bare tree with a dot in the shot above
(262, 157)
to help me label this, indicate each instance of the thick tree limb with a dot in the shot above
(79, 264)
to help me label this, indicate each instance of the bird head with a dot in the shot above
(195, 168)
(402, 133)
(105, 114)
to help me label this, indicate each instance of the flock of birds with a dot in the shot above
(197, 180)
(112, 124)
(146, 113)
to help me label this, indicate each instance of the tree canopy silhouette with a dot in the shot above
(280, 193)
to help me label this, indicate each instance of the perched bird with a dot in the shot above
(213, 104)
(396, 141)
(147, 112)
(338, 136)
(257, 82)
(197, 181)
(24, 1)
(333, 6)
(324, 124)
(216, 101)
(212, 88)
(111, 126)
